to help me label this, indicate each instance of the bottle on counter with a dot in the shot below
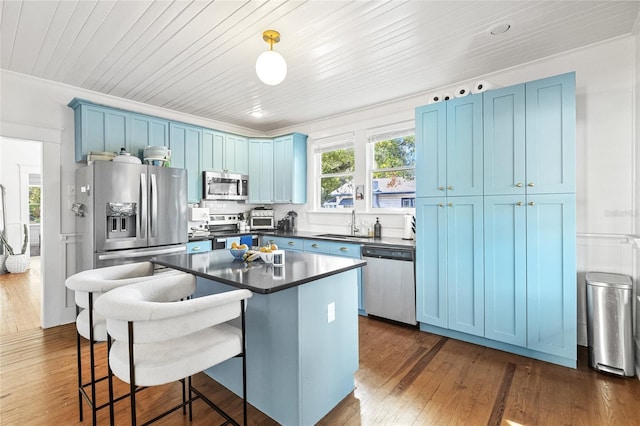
(377, 229)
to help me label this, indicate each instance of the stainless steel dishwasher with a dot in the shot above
(389, 283)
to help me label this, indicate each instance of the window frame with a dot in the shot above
(375, 136)
(325, 145)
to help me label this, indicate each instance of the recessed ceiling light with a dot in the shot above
(257, 114)
(499, 29)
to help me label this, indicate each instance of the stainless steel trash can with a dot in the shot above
(609, 323)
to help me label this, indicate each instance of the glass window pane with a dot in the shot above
(338, 161)
(393, 189)
(399, 152)
(34, 204)
(336, 192)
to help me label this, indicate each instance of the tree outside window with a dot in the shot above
(336, 178)
(393, 178)
(34, 204)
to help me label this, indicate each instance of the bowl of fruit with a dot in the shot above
(266, 252)
(238, 250)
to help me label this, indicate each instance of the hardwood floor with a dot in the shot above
(20, 299)
(406, 377)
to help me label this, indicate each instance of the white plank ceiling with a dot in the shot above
(198, 57)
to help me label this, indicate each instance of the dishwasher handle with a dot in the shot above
(388, 253)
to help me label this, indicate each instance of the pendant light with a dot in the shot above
(271, 66)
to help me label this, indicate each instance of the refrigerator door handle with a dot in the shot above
(146, 253)
(153, 218)
(142, 217)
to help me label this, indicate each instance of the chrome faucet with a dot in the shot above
(354, 226)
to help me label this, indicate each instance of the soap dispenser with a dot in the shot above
(377, 229)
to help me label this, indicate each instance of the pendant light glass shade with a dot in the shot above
(271, 66)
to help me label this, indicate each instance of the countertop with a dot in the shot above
(382, 242)
(299, 268)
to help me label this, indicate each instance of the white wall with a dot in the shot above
(605, 150)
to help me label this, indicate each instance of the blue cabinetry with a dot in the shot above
(223, 152)
(261, 171)
(449, 149)
(550, 135)
(551, 274)
(323, 247)
(99, 129)
(199, 246)
(505, 269)
(504, 141)
(465, 265)
(431, 261)
(147, 131)
(449, 264)
(518, 234)
(290, 169)
(185, 143)
(213, 150)
(236, 150)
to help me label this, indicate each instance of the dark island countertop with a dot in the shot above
(257, 276)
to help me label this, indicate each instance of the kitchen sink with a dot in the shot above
(344, 236)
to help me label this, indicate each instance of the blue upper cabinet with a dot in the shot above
(550, 133)
(213, 150)
(551, 274)
(147, 131)
(464, 146)
(504, 141)
(99, 129)
(449, 148)
(236, 154)
(222, 152)
(431, 150)
(185, 143)
(290, 169)
(261, 171)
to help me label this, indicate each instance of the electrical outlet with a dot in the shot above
(331, 312)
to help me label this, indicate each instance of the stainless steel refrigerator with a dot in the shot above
(129, 213)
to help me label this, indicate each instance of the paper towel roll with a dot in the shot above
(435, 99)
(482, 86)
(446, 97)
(407, 233)
(462, 91)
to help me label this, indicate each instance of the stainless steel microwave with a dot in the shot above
(224, 186)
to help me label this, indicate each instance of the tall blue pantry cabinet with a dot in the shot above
(496, 256)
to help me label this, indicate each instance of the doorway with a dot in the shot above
(20, 175)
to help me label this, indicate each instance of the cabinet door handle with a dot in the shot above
(291, 243)
(531, 203)
(519, 203)
(530, 184)
(314, 245)
(441, 204)
(197, 248)
(441, 188)
(519, 184)
(450, 204)
(450, 188)
(343, 249)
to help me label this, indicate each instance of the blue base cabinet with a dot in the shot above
(449, 263)
(505, 269)
(498, 268)
(551, 274)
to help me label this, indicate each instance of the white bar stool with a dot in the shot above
(158, 340)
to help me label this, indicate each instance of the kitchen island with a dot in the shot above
(301, 326)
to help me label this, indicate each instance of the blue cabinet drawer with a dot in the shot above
(199, 246)
(284, 243)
